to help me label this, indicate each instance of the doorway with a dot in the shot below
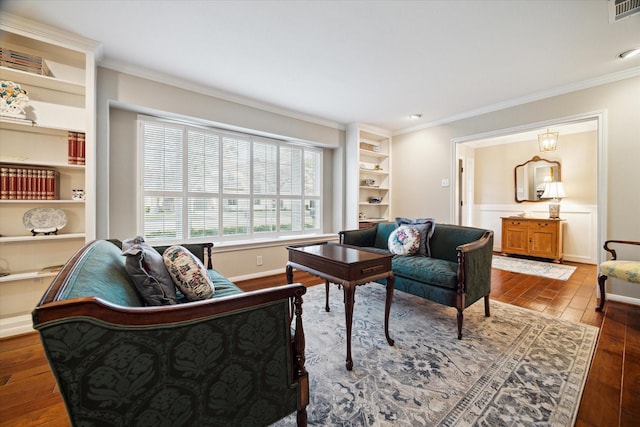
(475, 200)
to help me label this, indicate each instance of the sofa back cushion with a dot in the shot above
(101, 273)
(447, 237)
(384, 230)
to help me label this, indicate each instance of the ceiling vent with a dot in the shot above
(620, 9)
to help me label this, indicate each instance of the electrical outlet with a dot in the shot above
(445, 182)
(259, 260)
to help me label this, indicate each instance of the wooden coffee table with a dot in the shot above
(349, 267)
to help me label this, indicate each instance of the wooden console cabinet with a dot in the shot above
(536, 237)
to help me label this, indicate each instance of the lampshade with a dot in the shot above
(548, 141)
(554, 190)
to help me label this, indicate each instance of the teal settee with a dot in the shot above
(234, 360)
(457, 274)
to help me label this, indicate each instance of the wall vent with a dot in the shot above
(620, 9)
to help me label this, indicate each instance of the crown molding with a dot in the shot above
(28, 28)
(145, 73)
(573, 87)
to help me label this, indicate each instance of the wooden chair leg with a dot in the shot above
(301, 419)
(487, 312)
(601, 281)
(460, 318)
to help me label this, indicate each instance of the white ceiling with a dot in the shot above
(374, 62)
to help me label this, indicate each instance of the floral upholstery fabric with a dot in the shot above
(404, 240)
(201, 374)
(629, 271)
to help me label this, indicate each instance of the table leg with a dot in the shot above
(387, 306)
(326, 290)
(349, 291)
(289, 274)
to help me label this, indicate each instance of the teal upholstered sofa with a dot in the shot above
(457, 274)
(234, 360)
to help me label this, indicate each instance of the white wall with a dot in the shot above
(421, 158)
(420, 161)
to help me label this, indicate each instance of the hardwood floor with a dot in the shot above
(29, 395)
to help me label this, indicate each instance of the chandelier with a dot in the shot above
(548, 141)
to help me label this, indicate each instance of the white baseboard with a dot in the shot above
(622, 298)
(257, 275)
(16, 325)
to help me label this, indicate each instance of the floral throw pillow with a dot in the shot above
(404, 240)
(188, 273)
(426, 227)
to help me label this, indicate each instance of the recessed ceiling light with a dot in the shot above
(415, 116)
(630, 53)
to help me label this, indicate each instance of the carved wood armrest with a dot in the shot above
(612, 251)
(157, 315)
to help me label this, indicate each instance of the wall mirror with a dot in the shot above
(532, 175)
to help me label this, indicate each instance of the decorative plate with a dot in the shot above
(13, 100)
(44, 220)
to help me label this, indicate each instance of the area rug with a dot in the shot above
(534, 268)
(515, 368)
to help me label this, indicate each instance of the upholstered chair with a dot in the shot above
(626, 270)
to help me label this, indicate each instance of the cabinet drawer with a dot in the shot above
(541, 225)
(514, 223)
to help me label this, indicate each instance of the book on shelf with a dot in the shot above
(24, 62)
(80, 160)
(76, 148)
(72, 139)
(25, 183)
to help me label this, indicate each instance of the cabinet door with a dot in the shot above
(514, 237)
(543, 239)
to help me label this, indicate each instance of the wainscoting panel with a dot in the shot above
(580, 226)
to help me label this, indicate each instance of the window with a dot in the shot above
(202, 182)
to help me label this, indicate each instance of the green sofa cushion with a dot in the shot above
(384, 230)
(101, 273)
(435, 272)
(447, 238)
(223, 286)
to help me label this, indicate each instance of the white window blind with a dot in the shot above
(200, 183)
(163, 181)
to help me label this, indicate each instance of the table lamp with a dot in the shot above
(554, 191)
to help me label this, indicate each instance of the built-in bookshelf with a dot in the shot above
(47, 159)
(368, 176)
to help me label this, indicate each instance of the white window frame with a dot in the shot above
(221, 196)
